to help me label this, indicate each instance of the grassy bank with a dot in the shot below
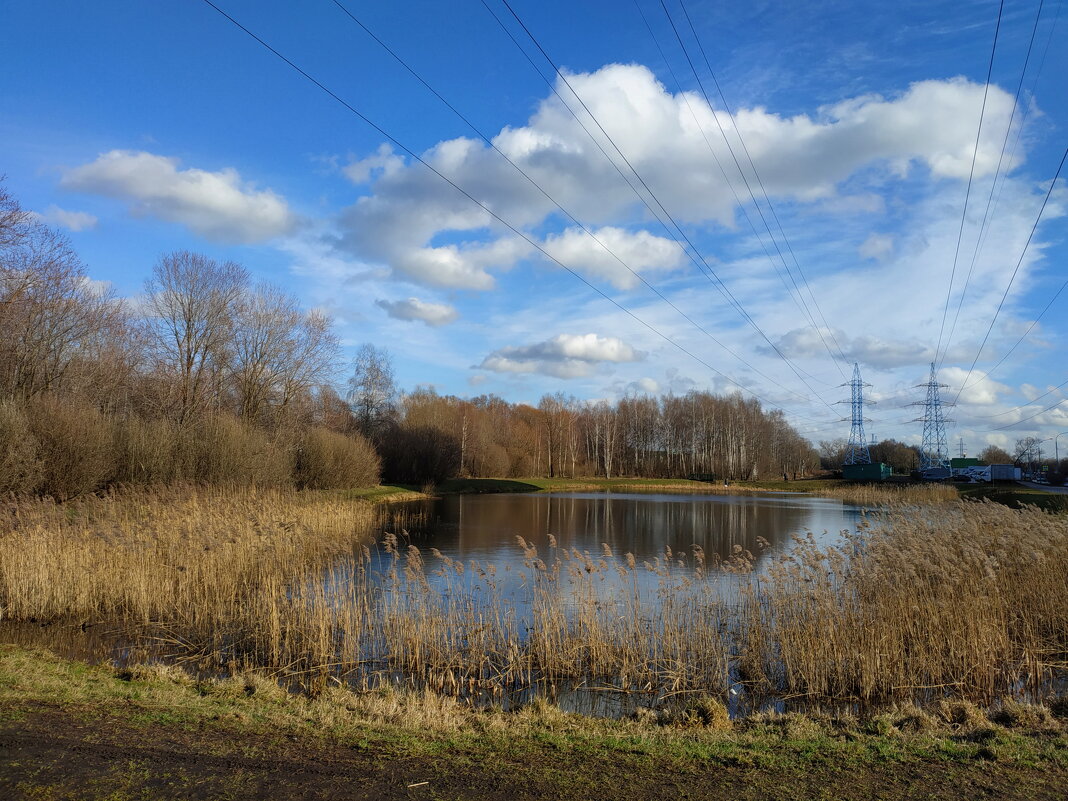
(587, 483)
(1016, 495)
(850, 492)
(70, 730)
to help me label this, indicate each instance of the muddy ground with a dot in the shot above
(49, 751)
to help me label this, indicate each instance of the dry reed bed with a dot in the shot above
(872, 495)
(961, 600)
(182, 555)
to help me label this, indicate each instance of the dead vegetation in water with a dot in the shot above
(878, 495)
(959, 601)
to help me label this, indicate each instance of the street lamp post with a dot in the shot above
(1056, 452)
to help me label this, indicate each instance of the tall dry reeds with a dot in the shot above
(963, 599)
(180, 556)
(958, 600)
(873, 495)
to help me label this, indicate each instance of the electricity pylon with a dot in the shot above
(934, 452)
(857, 451)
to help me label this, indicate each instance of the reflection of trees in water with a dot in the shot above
(472, 525)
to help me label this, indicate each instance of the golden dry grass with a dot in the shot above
(958, 600)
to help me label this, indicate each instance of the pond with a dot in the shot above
(558, 563)
(499, 593)
(607, 601)
(485, 527)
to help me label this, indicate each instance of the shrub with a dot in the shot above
(327, 460)
(74, 447)
(224, 450)
(146, 452)
(20, 468)
(420, 454)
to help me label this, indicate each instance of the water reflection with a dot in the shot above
(485, 527)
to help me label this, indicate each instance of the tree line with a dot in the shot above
(426, 436)
(207, 376)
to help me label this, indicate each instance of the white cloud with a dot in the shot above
(216, 205)
(563, 356)
(876, 246)
(644, 386)
(663, 135)
(639, 251)
(458, 266)
(360, 171)
(433, 314)
(980, 390)
(71, 220)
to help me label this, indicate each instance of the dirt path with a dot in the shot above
(52, 752)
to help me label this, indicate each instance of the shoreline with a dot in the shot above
(71, 730)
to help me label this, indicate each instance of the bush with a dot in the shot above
(327, 460)
(75, 447)
(146, 452)
(20, 468)
(419, 455)
(224, 450)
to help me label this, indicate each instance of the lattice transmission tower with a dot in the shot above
(857, 451)
(934, 452)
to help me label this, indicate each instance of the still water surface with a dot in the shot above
(485, 527)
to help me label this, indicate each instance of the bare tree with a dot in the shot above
(49, 310)
(191, 303)
(278, 352)
(1028, 451)
(992, 454)
(372, 391)
(14, 222)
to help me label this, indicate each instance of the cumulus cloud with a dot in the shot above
(360, 171)
(981, 390)
(875, 351)
(803, 157)
(216, 205)
(433, 314)
(459, 266)
(563, 356)
(614, 251)
(71, 220)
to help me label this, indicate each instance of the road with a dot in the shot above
(1044, 487)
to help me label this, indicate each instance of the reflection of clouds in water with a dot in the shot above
(480, 533)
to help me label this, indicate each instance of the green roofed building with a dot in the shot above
(866, 472)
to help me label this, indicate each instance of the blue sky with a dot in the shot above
(147, 128)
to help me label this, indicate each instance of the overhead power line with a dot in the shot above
(570, 216)
(1036, 414)
(726, 180)
(971, 175)
(1012, 278)
(1024, 335)
(415, 156)
(980, 238)
(1021, 406)
(760, 183)
(709, 272)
